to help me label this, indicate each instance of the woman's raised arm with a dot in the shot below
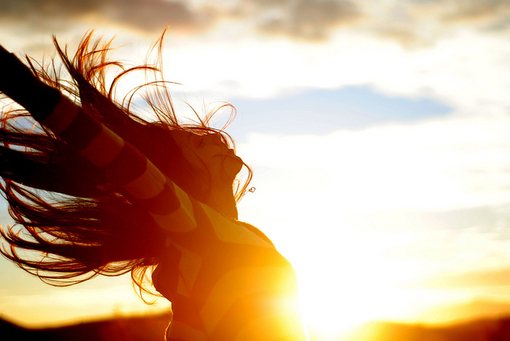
(122, 163)
(19, 83)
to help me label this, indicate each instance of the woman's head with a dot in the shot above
(217, 166)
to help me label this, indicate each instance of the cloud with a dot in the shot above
(495, 221)
(476, 11)
(155, 15)
(410, 22)
(308, 19)
(146, 16)
(444, 164)
(487, 278)
(422, 22)
(47, 9)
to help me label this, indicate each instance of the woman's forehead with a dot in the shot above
(185, 135)
(182, 135)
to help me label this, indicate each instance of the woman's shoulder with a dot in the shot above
(227, 229)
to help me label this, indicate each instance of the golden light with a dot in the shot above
(350, 289)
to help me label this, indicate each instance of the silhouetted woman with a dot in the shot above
(96, 189)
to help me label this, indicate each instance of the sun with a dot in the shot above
(331, 308)
(343, 286)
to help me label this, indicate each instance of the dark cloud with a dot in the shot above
(298, 19)
(404, 35)
(46, 9)
(154, 15)
(143, 15)
(42, 14)
(410, 22)
(419, 23)
(476, 11)
(307, 19)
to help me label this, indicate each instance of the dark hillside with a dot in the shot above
(477, 330)
(150, 328)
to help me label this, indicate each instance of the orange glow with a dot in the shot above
(342, 288)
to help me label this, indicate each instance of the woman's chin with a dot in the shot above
(232, 167)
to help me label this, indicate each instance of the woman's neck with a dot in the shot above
(222, 200)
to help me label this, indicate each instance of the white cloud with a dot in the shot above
(440, 164)
(468, 71)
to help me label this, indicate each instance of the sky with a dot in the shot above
(378, 133)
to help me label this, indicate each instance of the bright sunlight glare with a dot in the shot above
(354, 287)
(352, 274)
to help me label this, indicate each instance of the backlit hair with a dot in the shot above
(71, 224)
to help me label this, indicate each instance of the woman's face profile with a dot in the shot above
(211, 154)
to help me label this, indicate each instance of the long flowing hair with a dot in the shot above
(71, 224)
